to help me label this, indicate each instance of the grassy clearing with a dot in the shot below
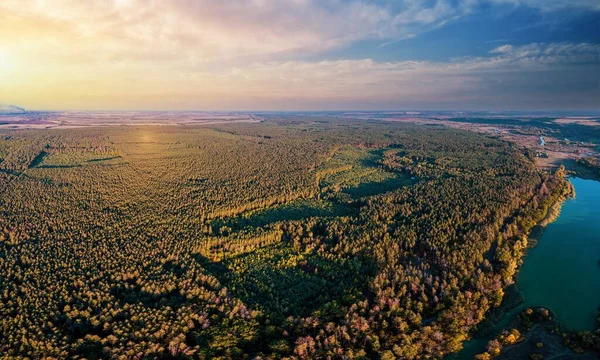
(358, 173)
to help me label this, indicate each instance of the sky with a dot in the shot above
(252, 55)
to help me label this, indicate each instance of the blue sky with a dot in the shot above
(478, 33)
(301, 54)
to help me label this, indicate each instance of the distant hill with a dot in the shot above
(11, 109)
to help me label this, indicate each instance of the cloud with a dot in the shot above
(412, 80)
(557, 53)
(553, 5)
(502, 49)
(205, 30)
(252, 53)
(534, 76)
(212, 30)
(192, 32)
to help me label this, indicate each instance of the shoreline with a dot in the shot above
(539, 334)
(555, 209)
(536, 339)
(551, 216)
(513, 297)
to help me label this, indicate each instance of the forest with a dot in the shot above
(297, 237)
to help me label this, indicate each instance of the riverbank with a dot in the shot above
(513, 296)
(536, 334)
(551, 215)
(499, 317)
(560, 273)
(554, 210)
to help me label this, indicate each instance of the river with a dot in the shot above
(562, 272)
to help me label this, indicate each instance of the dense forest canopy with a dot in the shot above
(295, 237)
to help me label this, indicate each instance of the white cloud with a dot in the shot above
(237, 50)
(200, 31)
(502, 49)
(409, 80)
(207, 30)
(553, 5)
(557, 53)
(532, 76)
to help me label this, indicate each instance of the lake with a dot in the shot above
(562, 272)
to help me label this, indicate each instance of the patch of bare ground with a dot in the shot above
(556, 151)
(68, 120)
(587, 121)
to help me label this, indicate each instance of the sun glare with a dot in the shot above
(7, 63)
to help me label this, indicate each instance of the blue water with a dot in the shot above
(562, 272)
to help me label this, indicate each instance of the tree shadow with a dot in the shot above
(281, 287)
(38, 159)
(133, 294)
(376, 187)
(296, 210)
(57, 166)
(104, 158)
(373, 158)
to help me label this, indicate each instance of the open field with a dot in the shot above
(67, 120)
(566, 139)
